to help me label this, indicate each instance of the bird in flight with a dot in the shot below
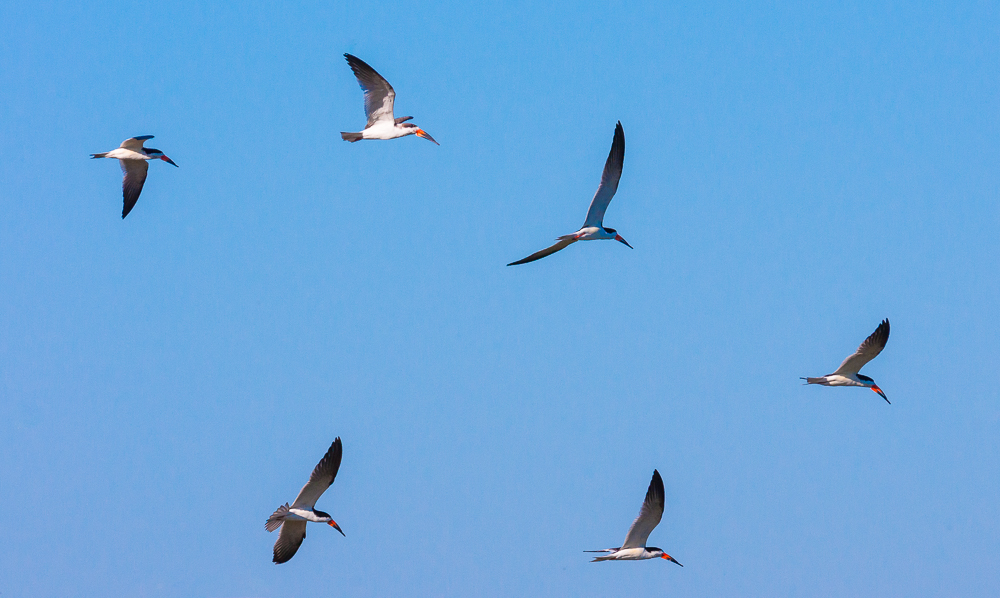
(593, 228)
(379, 98)
(847, 374)
(634, 548)
(132, 157)
(292, 519)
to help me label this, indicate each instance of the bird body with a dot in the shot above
(292, 519)
(592, 233)
(847, 374)
(133, 157)
(386, 129)
(640, 553)
(634, 547)
(380, 99)
(841, 380)
(593, 228)
(127, 154)
(297, 514)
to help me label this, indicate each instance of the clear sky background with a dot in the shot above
(793, 174)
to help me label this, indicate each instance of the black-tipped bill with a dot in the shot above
(423, 133)
(619, 238)
(670, 558)
(334, 525)
(881, 394)
(168, 160)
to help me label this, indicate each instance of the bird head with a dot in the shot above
(618, 237)
(660, 554)
(871, 384)
(418, 132)
(325, 518)
(158, 154)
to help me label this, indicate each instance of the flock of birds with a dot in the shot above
(382, 124)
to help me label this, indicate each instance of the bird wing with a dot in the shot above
(609, 180)
(289, 540)
(134, 179)
(868, 350)
(649, 514)
(321, 477)
(560, 244)
(379, 95)
(135, 143)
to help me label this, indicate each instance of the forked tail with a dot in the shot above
(98, 155)
(352, 137)
(603, 558)
(275, 520)
(819, 380)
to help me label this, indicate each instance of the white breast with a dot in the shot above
(126, 154)
(385, 129)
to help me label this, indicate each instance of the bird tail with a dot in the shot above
(352, 137)
(603, 558)
(275, 520)
(819, 380)
(99, 155)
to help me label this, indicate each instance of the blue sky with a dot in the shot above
(793, 174)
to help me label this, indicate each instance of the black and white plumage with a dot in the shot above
(593, 227)
(379, 101)
(132, 157)
(292, 519)
(634, 547)
(847, 374)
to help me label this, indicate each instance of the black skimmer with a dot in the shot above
(593, 228)
(292, 519)
(847, 374)
(379, 98)
(634, 548)
(133, 156)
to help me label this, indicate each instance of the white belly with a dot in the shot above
(841, 380)
(593, 233)
(126, 154)
(385, 130)
(631, 554)
(301, 515)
